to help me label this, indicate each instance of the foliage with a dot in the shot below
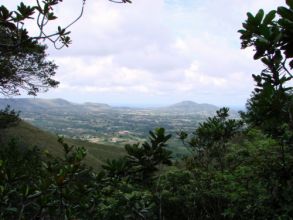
(8, 118)
(23, 59)
(270, 36)
(208, 142)
(254, 184)
(258, 182)
(142, 160)
(37, 186)
(33, 187)
(25, 69)
(271, 103)
(123, 200)
(190, 194)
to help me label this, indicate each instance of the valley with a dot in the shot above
(103, 124)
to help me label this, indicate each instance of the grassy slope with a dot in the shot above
(32, 136)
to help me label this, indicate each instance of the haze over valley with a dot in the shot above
(104, 124)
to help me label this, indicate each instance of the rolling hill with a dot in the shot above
(28, 135)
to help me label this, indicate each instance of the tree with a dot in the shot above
(209, 141)
(271, 103)
(23, 63)
(26, 68)
(142, 160)
(8, 118)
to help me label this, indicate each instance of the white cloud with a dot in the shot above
(157, 51)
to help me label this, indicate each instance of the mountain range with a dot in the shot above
(104, 124)
(29, 104)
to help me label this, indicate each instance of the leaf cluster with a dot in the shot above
(270, 105)
(8, 118)
(270, 37)
(142, 160)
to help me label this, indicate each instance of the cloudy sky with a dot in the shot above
(156, 52)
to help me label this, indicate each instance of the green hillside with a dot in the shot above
(29, 135)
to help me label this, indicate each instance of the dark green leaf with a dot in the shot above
(242, 31)
(4, 13)
(259, 16)
(12, 209)
(269, 17)
(250, 16)
(285, 13)
(290, 3)
(265, 61)
(258, 55)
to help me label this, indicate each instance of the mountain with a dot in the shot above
(89, 106)
(36, 104)
(191, 108)
(194, 105)
(99, 105)
(50, 105)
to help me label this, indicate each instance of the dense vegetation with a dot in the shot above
(236, 169)
(29, 136)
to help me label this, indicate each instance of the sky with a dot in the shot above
(155, 52)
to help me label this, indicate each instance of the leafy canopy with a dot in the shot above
(271, 36)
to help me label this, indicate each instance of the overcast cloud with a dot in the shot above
(156, 52)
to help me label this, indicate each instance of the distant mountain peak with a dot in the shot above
(185, 103)
(59, 101)
(97, 104)
(190, 103)
(191, 107)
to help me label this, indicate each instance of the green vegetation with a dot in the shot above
(26, 135)
(237, 169)
(8, 118)
(271, 102)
